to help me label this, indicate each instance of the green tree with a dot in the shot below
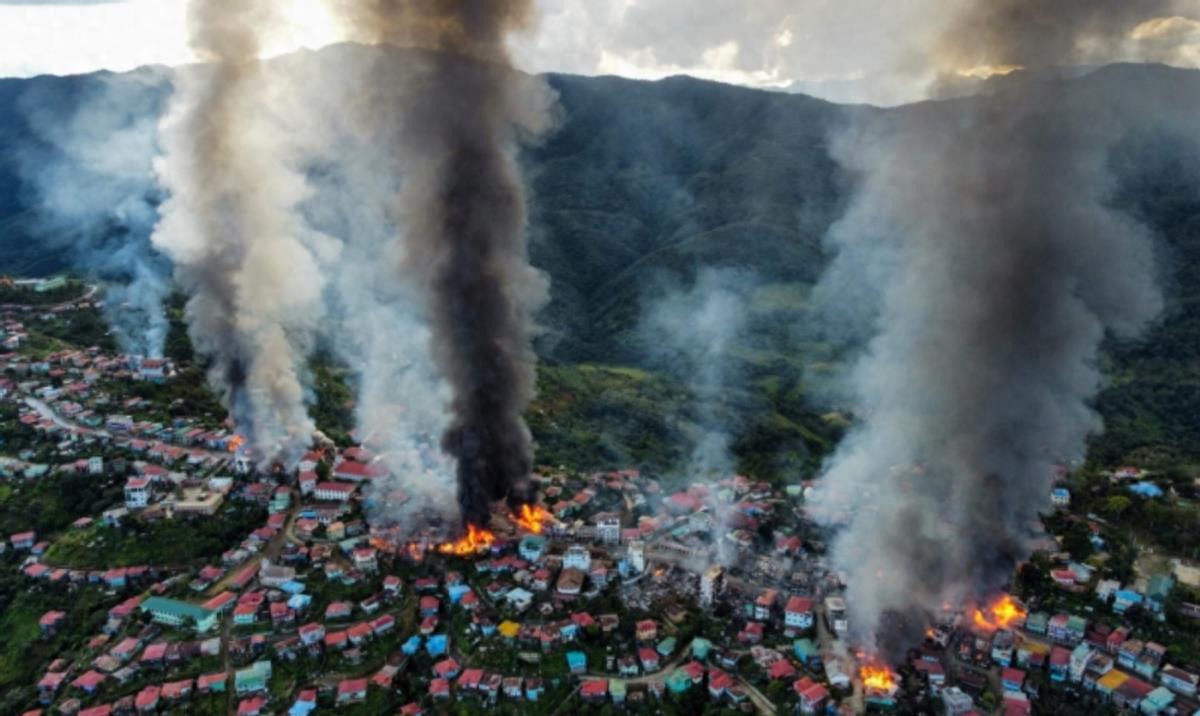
(1117, 505)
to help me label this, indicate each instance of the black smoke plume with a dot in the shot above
(461, 209)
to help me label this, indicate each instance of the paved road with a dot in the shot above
(48, 412)
(91, 291)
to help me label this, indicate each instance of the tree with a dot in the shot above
(1078, 540)
(1117, 505)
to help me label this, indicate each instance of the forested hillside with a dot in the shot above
(646, 184)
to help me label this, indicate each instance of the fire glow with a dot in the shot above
(1003, 613)
(878, 678)
(532, 518)
(236, 442)
(476, 539)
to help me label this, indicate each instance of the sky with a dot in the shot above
(846, 50)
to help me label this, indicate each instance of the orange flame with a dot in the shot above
(878, 678)
(1003, 613)
(532, 518)
(236, 442)
(475, 540)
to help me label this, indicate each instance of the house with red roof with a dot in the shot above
(211, 683)
(359, 633)
(383, 624)
(719, 682)
(311, 633)
(221, 602)
(470, 679)
(49, 685)
(281, 614)
(338, 610)
(439, 688)
(252, 706)
(351, 691)
(155, 654)
(126, 649)
(336, 640)
(646, 630)
(798, 614)
(354, 471)
(245, 614)
(781, 670)
(147, 699)
(648, 658)
(51, 621)
(446, 669)
(813, 696)
(1012, 679)
(594, 690)
(429, 606)
(334, 491)
(176, 690)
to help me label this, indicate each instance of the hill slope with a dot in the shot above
(647, 183)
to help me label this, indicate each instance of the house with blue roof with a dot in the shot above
(576, 662)
(1124, 599)
(412, 646)
(1146, 489)
(299, 602)
(437, 644)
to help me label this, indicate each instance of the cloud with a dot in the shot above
(42, 3)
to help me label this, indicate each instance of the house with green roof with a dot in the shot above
(700, 648)
(679, 681)
(1157, 701)
(616, 689)
(806, 651)
(176, 613)
(1157, 590)
(666, 647)
(252, 679)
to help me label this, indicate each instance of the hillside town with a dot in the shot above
(615, 589)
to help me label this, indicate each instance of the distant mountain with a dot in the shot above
(646, 183)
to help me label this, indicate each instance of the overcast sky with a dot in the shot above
(860, 50)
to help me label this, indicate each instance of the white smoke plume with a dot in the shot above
(247, 261)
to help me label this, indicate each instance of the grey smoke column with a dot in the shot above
(1000, 269)
(230, 227)
(462, 209)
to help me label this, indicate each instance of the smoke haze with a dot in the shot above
(1000, 269)
(461, 211)
(92, 176)
(248, 264)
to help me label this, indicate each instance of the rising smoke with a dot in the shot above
(90, 172)
(693, 332)
(1002, 267)
(248, 264)
(461, 211)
